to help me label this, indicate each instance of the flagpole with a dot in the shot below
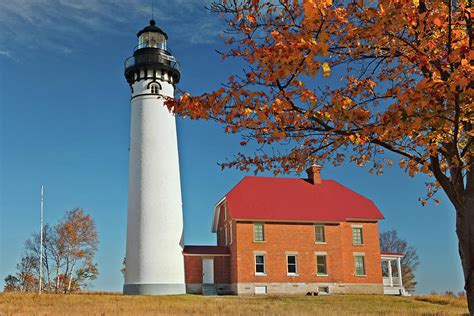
(41, 241)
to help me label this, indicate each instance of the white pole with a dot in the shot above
(399, 268)
(41, 242)
(390, 272)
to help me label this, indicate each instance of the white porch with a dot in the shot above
(392, 274)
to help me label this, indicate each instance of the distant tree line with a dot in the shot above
(68, 257)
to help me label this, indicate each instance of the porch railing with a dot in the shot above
(395, 281)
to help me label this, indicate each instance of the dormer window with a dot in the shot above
(155, 89)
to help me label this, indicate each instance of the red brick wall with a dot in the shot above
(299, 238)
(221, 269)
(193, 269)
(371, 249)
(233, 253)
(221, 240)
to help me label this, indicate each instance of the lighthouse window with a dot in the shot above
(154, 89)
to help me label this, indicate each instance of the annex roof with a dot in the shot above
(296, 199)
(206, 250)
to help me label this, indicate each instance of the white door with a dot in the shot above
(208, 271)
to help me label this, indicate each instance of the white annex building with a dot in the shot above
(154, 260)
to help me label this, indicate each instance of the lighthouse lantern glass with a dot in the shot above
(152, 40)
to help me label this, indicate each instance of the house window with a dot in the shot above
(260, 264)
(154, 89)
(357, 238)
(359, 262)
(292, 264)
(319, 234)
(230, 233)
(258, 232)
(321, 268)
(224, 207)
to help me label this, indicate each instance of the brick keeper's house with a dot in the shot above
(292, 235)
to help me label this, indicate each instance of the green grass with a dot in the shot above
(116, 304)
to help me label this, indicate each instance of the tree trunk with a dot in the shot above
(465, 233)
(70, 278)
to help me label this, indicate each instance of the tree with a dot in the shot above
(26, 278)
(403, 87)
(77, 235)
(68, 252)
(390, 242)
(12, 284)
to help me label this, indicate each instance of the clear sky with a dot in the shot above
(65, 123)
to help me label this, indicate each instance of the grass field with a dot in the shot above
(116, 304)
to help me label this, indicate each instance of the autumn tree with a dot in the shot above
(362, 81)
(68, 253)
(26, 278)
(12, 284)
(391, 242)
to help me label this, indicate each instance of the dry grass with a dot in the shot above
(116, 304)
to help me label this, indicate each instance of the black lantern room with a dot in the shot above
(151, 53)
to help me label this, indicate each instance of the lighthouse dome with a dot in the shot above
(151, 36)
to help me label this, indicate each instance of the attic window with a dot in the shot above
(319, 234)
(357, 238)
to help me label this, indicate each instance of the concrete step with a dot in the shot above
(209, 290)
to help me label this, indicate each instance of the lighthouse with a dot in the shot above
(154, 260)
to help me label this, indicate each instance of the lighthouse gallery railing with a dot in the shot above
(153, 57)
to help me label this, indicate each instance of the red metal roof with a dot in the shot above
(295, 199)
(206, 250)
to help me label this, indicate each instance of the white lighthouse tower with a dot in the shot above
(154, 260)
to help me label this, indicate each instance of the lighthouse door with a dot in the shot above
(208, 271)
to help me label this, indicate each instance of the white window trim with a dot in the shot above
(230, 235)
(225, 211)
(296, 264)
(264, 263)
(321, 254)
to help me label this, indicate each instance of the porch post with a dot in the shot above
(390, 272)
(399, 268)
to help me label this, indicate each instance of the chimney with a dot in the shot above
(314, 174)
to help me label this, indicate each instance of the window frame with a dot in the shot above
(325, 256)
(316, 226)
(262, 232)
(357, 256)
(288, 264)
(354, 229)
(230, 233)
(264, 264)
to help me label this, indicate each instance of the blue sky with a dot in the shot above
(65, 123)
